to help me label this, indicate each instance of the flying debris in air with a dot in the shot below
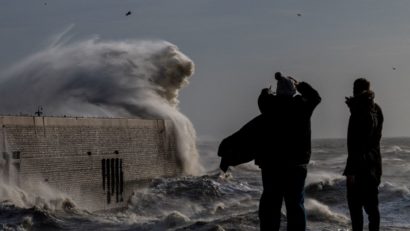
(128, 13)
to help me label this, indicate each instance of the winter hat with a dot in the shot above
(360, 85)
(285, 86)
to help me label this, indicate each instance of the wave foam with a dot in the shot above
(106, 78)
(317, 211)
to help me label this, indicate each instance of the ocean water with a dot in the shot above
(218, 201)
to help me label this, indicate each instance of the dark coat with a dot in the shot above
(242, 146)
(363, 137)
(287, 133)
(279, 136)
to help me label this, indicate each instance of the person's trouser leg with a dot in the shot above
(355, 205)
(294, 199)
(271, 202)
(371, 206)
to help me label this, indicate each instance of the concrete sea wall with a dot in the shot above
(96, 161)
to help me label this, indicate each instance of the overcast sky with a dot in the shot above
(237, 45)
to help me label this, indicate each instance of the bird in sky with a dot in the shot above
(128, 13)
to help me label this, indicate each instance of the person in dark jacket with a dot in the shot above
(364, 165)
(285, 151)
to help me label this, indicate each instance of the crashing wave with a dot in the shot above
(106, 78)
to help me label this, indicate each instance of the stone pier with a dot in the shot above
(96, 161)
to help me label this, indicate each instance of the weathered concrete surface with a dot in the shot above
(97, 161)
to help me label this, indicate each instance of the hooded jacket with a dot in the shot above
(287, 134)
(363, 137)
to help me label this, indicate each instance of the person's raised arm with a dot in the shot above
(310, 96)
(264, 101)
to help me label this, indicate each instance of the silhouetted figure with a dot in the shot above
(285, 151)
(364, 165)
(128, 13)
(39, 111)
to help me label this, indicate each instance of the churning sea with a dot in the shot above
(216, 201)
